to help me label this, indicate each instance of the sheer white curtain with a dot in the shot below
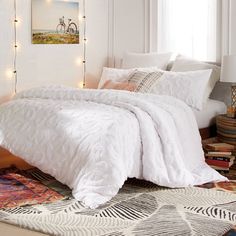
(189, 27)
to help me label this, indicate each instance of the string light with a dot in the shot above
(15, 47)
(84, 45)
(9, 74)
(81, 84)
(80, 18)
(79, 61)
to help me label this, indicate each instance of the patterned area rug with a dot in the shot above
(18, 190)
(141, 208)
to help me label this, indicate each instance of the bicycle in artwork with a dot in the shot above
(62, 28)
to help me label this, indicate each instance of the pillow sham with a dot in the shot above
(135, 60)
(188, 86)
(120, 75)
(113, 74)
(183, 63)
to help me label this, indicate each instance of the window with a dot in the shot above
(189, 27)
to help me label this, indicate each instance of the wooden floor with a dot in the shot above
(11, 230)
(6, 160)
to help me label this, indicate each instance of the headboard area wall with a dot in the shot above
(222, 92)
(113, 27)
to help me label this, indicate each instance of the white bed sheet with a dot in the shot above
(206, 117)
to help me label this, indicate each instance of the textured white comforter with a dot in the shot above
(93, 140)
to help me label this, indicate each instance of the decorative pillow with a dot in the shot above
(113, 74)
(129, 86)
(144, 80)
(120, 75)
(185, 64)
(135, 60)
(188, 86)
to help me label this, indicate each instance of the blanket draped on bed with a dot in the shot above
(93, 140)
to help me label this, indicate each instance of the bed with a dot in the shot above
(93, 140)
(206, 117)
(205, 121)
(80, 137)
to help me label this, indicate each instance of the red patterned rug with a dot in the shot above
(17, 190)
(222, 186)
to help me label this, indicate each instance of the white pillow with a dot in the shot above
(187, 86)
(186, 64)
(120, 75)
(135, 60)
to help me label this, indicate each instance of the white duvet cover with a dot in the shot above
(93, 140)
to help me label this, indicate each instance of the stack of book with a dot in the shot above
(219, 156)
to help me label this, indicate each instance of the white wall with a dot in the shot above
(114, 26)
(233, 27)
(133, 27)
(50, 64)
(128, 27)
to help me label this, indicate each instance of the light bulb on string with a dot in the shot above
(79, 61)
(16, 46)
(81, 84)
(9, 73)
(80, 18)
(17, 22)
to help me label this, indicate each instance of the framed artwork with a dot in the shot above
(55, 22)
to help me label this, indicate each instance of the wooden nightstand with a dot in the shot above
(226, 129)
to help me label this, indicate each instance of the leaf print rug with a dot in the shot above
(140, 208)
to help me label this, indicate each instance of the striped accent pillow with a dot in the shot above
(144, 80)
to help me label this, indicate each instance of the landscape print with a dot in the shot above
(55, 22)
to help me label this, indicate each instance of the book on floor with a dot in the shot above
(221, 147)
(218, 163)
(219, 154)
(220, 158)
(220, 168)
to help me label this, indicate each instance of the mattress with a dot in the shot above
(206, 117)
